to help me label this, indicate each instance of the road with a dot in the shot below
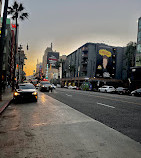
(52, 129)
(120, 112)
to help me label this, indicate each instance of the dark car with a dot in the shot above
(136, 92)
(25, 91)
(45, 86)
(122, 90)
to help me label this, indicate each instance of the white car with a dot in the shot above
(53, 86)
(108, 89)
(58, 86)
(70, 87)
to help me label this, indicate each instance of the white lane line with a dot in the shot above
(68, 95)
(106, 105)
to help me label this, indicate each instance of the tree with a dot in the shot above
(16, 11)
(130, 53)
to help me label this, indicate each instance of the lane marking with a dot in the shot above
(106, 97)
(106, 105)
(68, 95)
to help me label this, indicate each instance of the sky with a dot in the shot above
(69, 24)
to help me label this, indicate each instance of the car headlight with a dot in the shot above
(16, 93)
(34, 93)
(43, 86)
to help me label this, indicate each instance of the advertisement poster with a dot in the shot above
(105, 64)
(52, 58)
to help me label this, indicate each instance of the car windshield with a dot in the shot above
(26, 86)
(139, 90)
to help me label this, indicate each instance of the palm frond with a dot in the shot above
(15, 6)
(10, 10)
(22, 18)
(25, 15)
(14, 17)
(21, 8)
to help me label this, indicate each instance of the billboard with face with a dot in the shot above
(105, 66)
(52, 58)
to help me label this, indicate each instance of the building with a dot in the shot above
(62, 60)
(50, 58)
(7, 53)
(138, 52)
(135, 77)
(0, 15)
(38, 70)
(96, 62)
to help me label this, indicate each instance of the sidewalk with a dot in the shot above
(6, 98)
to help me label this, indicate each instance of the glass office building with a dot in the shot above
(138, 53)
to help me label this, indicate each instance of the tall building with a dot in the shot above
(49, 63)
(96, 61)
(38, 69)
(138, 52)
(7, 53)
(135, 77)
(0, 15)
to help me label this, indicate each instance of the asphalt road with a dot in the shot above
(51, 129)
(120, 112)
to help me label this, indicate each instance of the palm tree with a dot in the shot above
(16, 11)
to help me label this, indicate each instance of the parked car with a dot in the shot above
(136, 92)
(58, 86)
(45, 86)
(122, 90)
(25, 91)
(70, 87)
(65, 86)
(53, 86)
(108, 89)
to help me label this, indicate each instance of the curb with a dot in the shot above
(5, 106)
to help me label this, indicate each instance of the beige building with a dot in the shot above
(44, 68)
(49, 60)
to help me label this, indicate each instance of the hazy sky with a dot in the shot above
(68, 24)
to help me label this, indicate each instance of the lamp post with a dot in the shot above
(2, 43)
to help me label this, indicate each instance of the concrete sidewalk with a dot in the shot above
(6, 99)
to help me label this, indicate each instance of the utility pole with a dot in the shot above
(2, 43)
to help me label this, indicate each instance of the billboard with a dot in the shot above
(106, 61)
(52, 58)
